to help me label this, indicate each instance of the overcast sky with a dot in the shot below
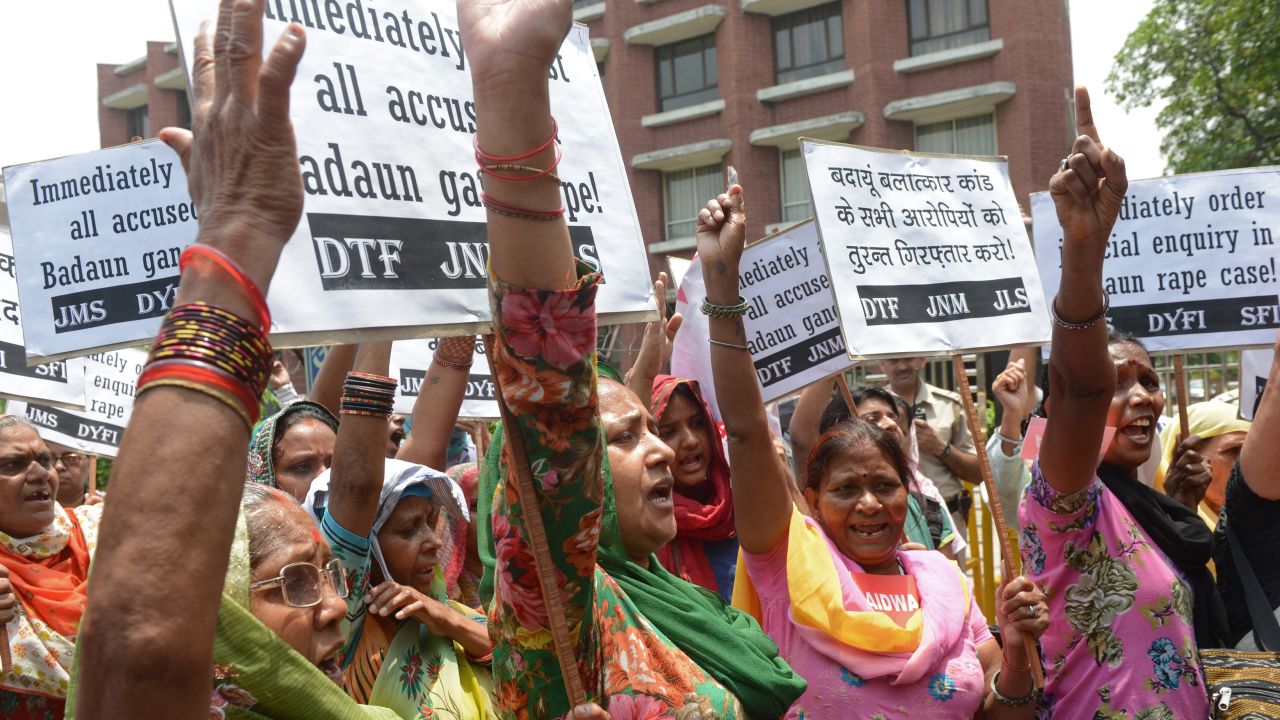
(53, 48)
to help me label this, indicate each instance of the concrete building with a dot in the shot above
(696, 85)
(140, 97)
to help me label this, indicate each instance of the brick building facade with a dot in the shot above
(140, 97)
(694, 86)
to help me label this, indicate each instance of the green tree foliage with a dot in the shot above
(1217, 65)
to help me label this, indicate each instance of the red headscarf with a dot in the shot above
(696, 521)
(52, 588)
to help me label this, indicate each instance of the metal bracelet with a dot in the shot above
(729, 345)
(1101, 316)
(725, 311)
(1013, 702)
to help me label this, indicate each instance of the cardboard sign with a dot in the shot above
(893, 595)
(392, 242)
(110, 380)
(1191, 263)
(1255, 368)
(410, 360)
(792, 327)
(927, 253)
(60, 382)
(97, 239)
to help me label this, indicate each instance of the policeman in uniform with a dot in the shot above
(947, 455)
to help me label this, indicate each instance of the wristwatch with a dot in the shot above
(945, 452)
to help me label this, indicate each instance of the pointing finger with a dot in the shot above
(1084, 115)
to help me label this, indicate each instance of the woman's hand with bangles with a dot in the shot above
(241, 158)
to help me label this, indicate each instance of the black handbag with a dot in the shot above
(1246, 685)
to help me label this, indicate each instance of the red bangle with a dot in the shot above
(486, 157)
(232, 268)
(518, 212)
(187, 375)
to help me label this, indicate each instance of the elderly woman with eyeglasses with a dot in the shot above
(44, 564)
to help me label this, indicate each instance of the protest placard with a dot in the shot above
(393, 237)
(1255, 368)
(110, 380)
(1191, 263)
(97, 238)
(60, 382)
(792, 327)
(927, 253)
(410, 360)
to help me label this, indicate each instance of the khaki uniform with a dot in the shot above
(944, 411)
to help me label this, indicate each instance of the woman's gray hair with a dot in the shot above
(8, 422)
(270, 527)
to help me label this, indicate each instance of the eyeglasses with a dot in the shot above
(69, 459)
(302, 583)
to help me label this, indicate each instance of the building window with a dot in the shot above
(965, 136)
(686, 73)
(139, 123)
(684, 193)
(600, 72)
(808, 43)
(583, 3)
(797, 203)
(942, 24)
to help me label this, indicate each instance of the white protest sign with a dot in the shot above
(1255, 368)
(927, 253)
(1191, 263)
(97, 238)
(60, 382)
(410, 360)
(393, 234)
(792, 327)
(110, 380)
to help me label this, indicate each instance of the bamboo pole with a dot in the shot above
(519, 463)
(1010, 562)
(1180, 382)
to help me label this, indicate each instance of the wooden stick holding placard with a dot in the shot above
(848, 396)
(518, 461)
(1010, 562)
(1180, 382)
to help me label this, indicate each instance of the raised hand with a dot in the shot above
(1089, 188)
(722, 232)
(242, 159)
(1189, 473)
(1010, 388)
(513, 38)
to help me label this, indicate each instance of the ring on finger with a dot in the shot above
(1031, 610)
(1063, 164)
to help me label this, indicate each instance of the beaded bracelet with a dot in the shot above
(725, 311)
(513, 211)
(486, 157)
(450, 363)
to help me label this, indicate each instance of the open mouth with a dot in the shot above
(426, 573)
(1139, 431)
(870, 531)
(397, 437)
(331, 668)
(660, 494)
(39, 496)
(691, 463)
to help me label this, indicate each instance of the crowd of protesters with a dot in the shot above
(610, 551)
